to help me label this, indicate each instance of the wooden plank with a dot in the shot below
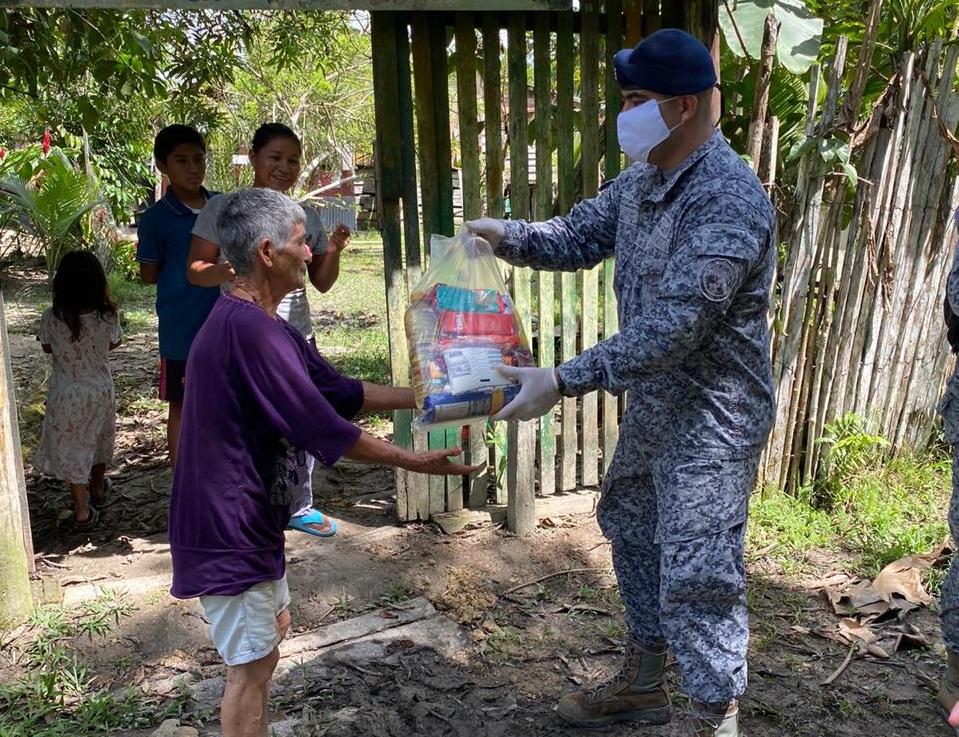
(569, 295)
(426, 122)
(356, 627)
(555, 505)
(389, 145)
(543, 210)
(493, 116)
(477, 451)
(389, 173)
(433, 148)
(441, 116)
(468, 117)
(589, 152)
(520, 435)
(312, 5)
(16, 543)
(454, 484)
(414, 484)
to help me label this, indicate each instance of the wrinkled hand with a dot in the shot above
(538, 393)
(490, 229)
(340, 239)
(439, 463)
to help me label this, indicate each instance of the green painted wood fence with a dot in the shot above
(524, 103)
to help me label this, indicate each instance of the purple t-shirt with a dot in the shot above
(256, 394)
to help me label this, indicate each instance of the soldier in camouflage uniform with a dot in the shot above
(948, 697)
(693, 233)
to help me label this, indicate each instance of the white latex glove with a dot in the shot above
(490, 229)
(538, 392)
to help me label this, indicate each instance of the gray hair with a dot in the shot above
(250, 215)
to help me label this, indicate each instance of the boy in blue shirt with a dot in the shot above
(163, 242)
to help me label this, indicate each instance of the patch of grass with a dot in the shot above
(57, 695)
(877, 516)
(350, 319)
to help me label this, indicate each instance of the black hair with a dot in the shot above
(268, 131)
(80, 285)
(171, 137)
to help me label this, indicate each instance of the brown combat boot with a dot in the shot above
(636, 694)
(712, 721)
(948, 695)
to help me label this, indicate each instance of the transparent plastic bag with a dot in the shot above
(460, 325)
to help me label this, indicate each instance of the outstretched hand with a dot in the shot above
(440, 463)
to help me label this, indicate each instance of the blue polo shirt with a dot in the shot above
(163, 237)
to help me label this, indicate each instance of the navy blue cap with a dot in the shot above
(670, 62)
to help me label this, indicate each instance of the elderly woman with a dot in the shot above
(257, 396)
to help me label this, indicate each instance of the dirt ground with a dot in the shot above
(528, 619)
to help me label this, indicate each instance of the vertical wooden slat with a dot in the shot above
(520, 512)
(466, 94)
(589, 153)
(652, 21)
(441, 105)
(495, 188)
(468, 117)
(543, 82)
(17, 562)
(569, 299)
(426, 124)
(389, 174)
(493, 116)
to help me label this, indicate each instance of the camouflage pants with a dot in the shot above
(676, 523)
(949, 596)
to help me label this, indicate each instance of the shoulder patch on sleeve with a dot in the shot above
(717, 278)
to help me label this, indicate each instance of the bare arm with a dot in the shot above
(202, 268)
(377, 397)
(369, 449)
(149, 273)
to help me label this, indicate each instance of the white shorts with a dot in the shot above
(244, 626)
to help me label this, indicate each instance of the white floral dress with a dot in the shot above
(80, 421)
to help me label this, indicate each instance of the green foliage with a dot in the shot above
(800, 31)
(850, 448)
(123, 260)
(884, 512)
(45, 198)
(58, 695)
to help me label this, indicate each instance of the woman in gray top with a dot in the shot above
(275, 157)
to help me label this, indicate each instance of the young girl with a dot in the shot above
(275, 157)
(80, 421)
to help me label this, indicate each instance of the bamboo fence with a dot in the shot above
(859, 325)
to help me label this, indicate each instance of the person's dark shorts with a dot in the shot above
(172, 376)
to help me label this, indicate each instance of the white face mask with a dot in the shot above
(642, 128)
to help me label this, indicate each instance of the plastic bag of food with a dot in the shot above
(460, 325)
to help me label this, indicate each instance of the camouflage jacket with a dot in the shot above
(695, 257)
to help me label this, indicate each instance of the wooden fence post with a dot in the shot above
(16, 549)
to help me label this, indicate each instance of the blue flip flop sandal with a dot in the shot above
(314, 522)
